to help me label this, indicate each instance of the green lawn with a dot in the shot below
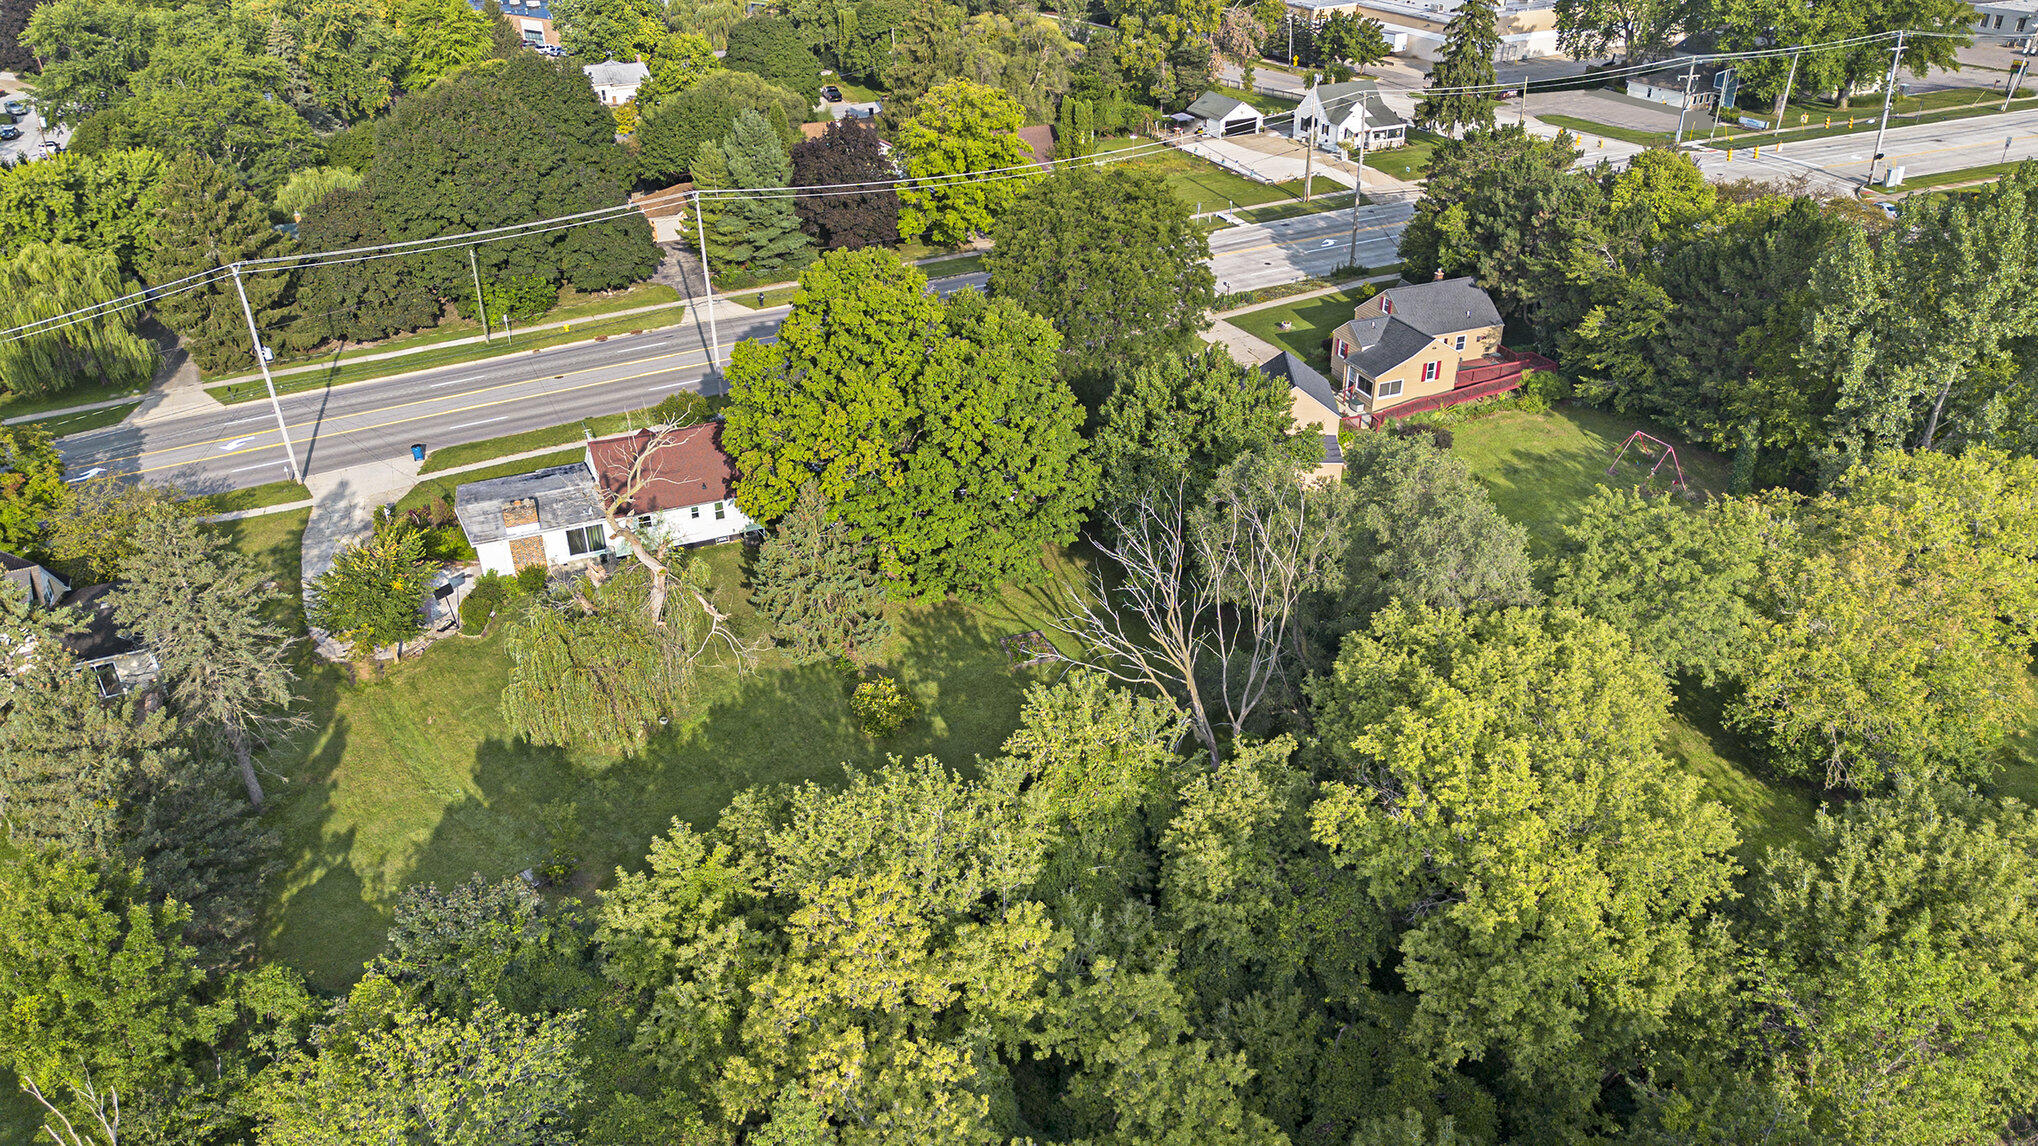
(1572, 123)
(1311, 321)
(1198, 182)
(572, 306)
(409, 778)
(14, 405)
(346, 372)
(257, 497)
(1409, 161)
(86, 419)
(1984, 174)
(1541, 467)
(1821, 121)
(1260, 101)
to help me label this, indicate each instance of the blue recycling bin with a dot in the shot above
(417, 452)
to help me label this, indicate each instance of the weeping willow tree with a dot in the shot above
(49, 279)
(597, 664)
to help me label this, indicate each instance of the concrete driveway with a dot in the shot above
(1613, 110)
(1273, 158)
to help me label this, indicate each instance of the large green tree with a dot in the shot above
(759, 233)
(1499, 791)
(938, 430)
(1465, 62)
(1183, 416)
(676, 127)
(44, 282)
(1641, 29)
(1427, 532)
(374, 594)
(31, 486)
(1112, 258)
(435, 38)
(769, 46)
(848, 153)
(959, 129)
(818, 584)
(595, 30)
(208, 222)
(106, 202)
(88, 50)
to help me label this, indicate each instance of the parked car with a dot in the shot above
(15, 107)
(10, 132)
(832, 94)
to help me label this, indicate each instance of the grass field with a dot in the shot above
(408, 778)
(571, 307)
(85, 420)
(1198, 182)
(1311, 321)
(1260, 101)
(1625, 134)
(257, 497)
(1408, 161)
(345, 372)
(1984, 174)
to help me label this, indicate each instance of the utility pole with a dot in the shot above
(707, 285)
(2016, 77)
(1783, 109)
(1690, 78)
(1358, 188)
(1521, 107)
(1888, 90)
(480, 305)
(262, 360)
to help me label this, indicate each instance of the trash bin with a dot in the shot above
(417, 452)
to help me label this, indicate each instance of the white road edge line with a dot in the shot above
(261, 466)
(482, 422)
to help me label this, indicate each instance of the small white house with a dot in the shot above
(97, 644)
(1335, 114)
(670, 486)
(1215, 113)
(616, 84)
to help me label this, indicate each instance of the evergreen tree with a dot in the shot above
(208, 221)
(818, 584)
(1075, 129)
(760, 233)
(358, 301)
(1470, 40)
(848, 152)
(199, 607)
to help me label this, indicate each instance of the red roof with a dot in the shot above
(678, 468)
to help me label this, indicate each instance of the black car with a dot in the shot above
(832, 94)
(10, 132)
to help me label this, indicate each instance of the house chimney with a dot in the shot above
(521, 512)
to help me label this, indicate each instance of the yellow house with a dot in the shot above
(1312, 402)
(1420, 346)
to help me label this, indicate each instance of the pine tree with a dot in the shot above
(198, 607)
(1470, 40)
(110, 781)
(756, 232)
(209, 221)
(818, 584)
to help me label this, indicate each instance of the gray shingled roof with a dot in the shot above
(565, 495)
(1297, 373)
(1340, 99)
(615, 74)
(1215, 105)
(1418, 313)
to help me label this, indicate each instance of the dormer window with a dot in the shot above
(1386, 305)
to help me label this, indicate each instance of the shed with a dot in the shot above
(1218, 114)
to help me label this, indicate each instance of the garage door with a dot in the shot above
(1241, 127)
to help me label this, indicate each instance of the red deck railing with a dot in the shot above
(1477, 378)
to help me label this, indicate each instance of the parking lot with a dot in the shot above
(30, 143)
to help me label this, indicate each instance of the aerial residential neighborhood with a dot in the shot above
(1357, 572)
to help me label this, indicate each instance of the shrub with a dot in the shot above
(531, 579)
(483, 601)
(521, 297)
(1546, 386)
(1438, 436)
(881, 707)
(681, 408)
(562, 857)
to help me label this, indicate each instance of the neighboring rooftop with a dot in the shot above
(670, 469)
(616, 74)
(1215, 105)
(565, 497)
(1298, 374)
(98, 636)
(1340, 99)
(43, 587)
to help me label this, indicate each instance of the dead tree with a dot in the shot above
(104, 1109)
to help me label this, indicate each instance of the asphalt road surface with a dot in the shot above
(1926, 149)
(378, 420)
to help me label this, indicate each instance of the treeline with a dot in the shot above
(1799, 333)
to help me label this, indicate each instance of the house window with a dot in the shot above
(694, 512)
(1430, 371)
(644, 520)
(1343, 351)
(718, 511)
(587, 539)
(1387, 389)
(1459, 344)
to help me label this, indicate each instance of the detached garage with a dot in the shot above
(1218, 114)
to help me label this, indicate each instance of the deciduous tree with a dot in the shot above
(45, 281)
(1427, 532)
(847, 153)
(1112, 258)
(374, 593)
(1179, 417)
(31, 486)
(960, 129)
(769, 46)
(105, 203)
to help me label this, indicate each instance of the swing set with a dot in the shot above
(1668, 453)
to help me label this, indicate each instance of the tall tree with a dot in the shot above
(1642, 29)
(1187, 416)
(374, 594)
(769, 46)
(88, 50)
(1354, 40)
(1112, 258)
(106, 202)
(209, 221)
(1502, 797)
(674, 129)
(960, 457)
(45, 281)
(359, 301)
(1466, 61)
(960, 129)
(817, 582)
(96, 530)
(595, 30)
(849, 217)
(14, 55)
(437, 37)
(198, 606)
(348, 56)
(757, 232)
(1427, 532)
(31, 486)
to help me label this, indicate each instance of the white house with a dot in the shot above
(1218, 114)
(674, 483)
(616, 84)
(1333, 114)
(97, 645)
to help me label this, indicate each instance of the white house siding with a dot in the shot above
(681, 527)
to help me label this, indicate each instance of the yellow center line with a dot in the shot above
(341, 433)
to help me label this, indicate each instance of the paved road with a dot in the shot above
(1921, 150)
(378, 420)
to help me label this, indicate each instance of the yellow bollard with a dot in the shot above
(1757, 153)
(1802, 118)
(1730, 155)
(1829, 121)
(569, 328)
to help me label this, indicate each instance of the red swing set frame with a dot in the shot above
(1669, 454)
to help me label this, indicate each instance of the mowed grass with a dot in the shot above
(1310, 322)
(1410, 160)
(1540, 468)
(1195, 181)
(411, 778)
